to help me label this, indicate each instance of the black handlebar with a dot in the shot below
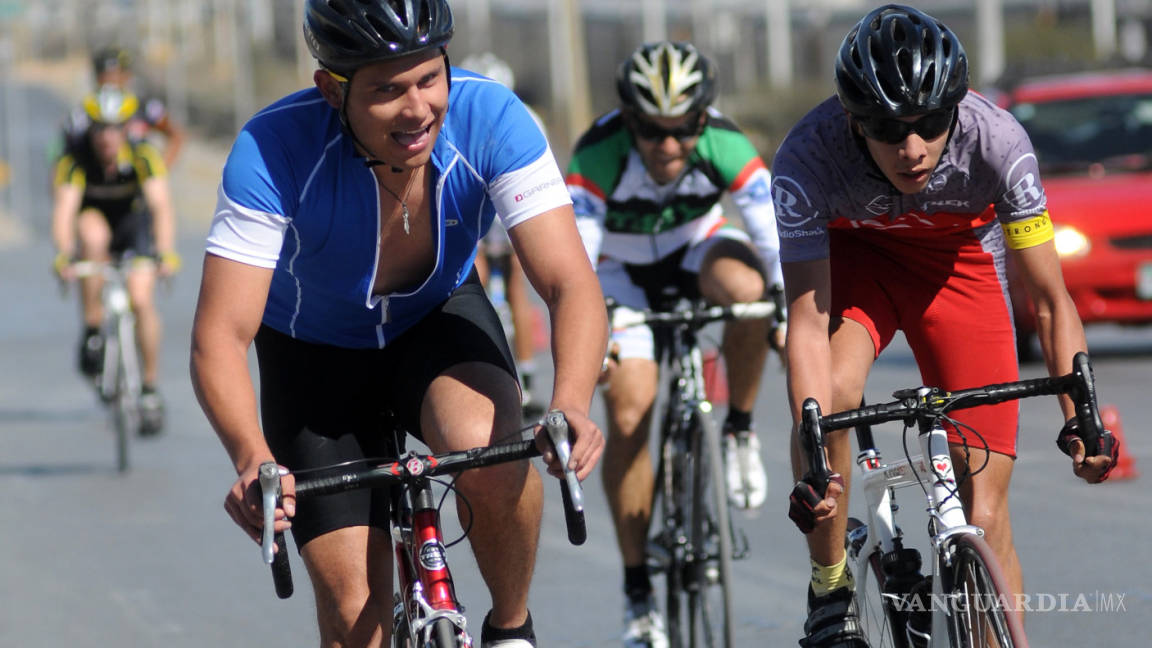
(924, 405)
(414, 466)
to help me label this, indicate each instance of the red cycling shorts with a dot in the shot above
(953, 307)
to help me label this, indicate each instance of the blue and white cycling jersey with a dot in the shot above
(295, 197)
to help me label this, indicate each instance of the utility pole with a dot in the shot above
(569, 71)
(654, 17)
(777, 15)
(990, 40)
(1104, 28)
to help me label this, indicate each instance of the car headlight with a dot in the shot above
(1071, 243)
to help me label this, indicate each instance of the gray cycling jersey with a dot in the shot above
(988, 176)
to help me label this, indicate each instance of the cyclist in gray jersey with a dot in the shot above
(898, 201)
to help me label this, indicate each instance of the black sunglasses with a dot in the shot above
(648, 131)
(894, 131)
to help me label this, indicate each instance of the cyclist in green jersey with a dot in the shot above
(646, 181)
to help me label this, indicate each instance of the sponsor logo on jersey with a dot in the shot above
(1024, 191)
(879, 205)
(531, 191)
(793, 207)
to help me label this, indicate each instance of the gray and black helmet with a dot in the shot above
(899, 61)
(345, 35)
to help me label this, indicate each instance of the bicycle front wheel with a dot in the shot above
(444, 635)
(976, 594)
(709, 583)
(880, 621)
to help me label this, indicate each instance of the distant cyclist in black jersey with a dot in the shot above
(112, 67)
(647, 180)
(112, 202)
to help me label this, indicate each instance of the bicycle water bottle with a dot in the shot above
(901, 574)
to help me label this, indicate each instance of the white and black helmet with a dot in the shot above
(666, 79)
(899, 61)
(345, 35)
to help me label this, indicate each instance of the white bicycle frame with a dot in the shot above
(945, 511)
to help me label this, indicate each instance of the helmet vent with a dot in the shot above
(339, 8)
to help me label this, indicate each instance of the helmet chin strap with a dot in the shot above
(370, 159)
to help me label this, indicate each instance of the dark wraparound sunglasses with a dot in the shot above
(894, 131)
(649, 131)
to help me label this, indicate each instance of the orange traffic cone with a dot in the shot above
(1125, 465)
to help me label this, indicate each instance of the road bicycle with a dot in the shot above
(694, 540)
(119, 381)
(427, 612)
(963, 602)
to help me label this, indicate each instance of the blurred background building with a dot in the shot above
(216, 62)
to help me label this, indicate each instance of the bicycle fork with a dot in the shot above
(427, 593)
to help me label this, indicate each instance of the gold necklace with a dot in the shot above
(403, 201)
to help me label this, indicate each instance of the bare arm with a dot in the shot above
(808, 294)
(228, 314)
(554, 259)
(66, 199)
(1061, 335)
(174, 135)
(158, 197)
(1057, 322)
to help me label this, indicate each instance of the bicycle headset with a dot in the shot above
(345, 35)
(898, 61)
(666, 79)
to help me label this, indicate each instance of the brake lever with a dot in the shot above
(269, 497)
(556, 426)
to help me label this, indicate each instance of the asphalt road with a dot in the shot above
(90, 557)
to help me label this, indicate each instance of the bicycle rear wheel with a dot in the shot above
(976, 593)
(709, 580)
(880, 621)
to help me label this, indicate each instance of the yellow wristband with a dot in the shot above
(61, 261)
(172, 260)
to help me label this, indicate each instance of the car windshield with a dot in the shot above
(1092, 134)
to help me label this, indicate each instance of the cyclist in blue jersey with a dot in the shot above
(898, 201)
(343, 243)
(647, 180)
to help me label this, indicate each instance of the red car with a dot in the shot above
(1092, 133)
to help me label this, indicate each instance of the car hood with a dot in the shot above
(1109, 205)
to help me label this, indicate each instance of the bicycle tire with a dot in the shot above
(444, 634)
(710, 591)
(975, 589)
(674, 501)
(127, 413)
(880, 621)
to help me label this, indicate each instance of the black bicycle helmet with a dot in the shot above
(899, 61)
(666, 79)
(344, 35)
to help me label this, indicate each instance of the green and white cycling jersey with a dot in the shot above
(623, 214)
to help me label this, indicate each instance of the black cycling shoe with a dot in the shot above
(522, 637)
(833, 621)
(91, 353)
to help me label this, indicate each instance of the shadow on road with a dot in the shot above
(57, 470)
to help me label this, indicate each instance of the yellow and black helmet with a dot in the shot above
(110, 106)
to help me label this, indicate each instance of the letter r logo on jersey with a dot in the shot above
(1025, 192)
(793, 208)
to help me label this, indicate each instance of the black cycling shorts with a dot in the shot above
(132, 234)
(324, 405)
